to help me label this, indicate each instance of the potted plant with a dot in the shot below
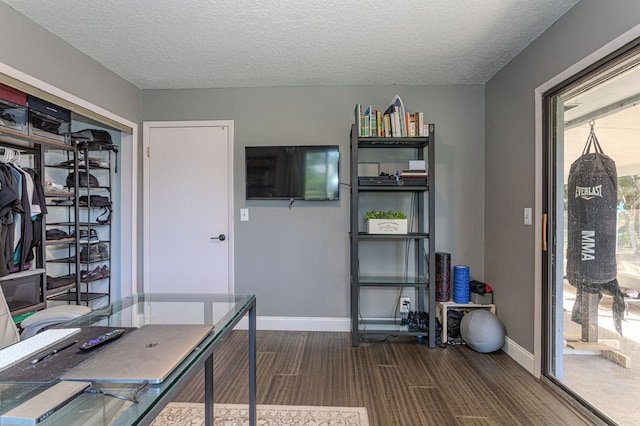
(386, 222)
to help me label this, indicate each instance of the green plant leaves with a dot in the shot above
(373, 214)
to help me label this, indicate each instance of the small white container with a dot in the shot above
(387, 226)
(417, 165)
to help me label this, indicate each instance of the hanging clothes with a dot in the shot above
(18, 215)
(38, 210)
(9, 206)
(22, 206)
(23, 232)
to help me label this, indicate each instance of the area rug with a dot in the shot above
(192, 414)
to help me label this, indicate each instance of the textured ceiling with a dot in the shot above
(256, 43)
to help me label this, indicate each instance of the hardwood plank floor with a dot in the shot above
(400, 382)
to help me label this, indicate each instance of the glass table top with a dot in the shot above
(115, 405)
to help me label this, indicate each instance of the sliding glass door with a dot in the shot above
(592, 263)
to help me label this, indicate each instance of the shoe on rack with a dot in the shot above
(93, 236)
(88, 236)
(90, 253)
(83, 234)
(56, 234)
(55, 282)
(92, 275)
(106, 273)
(50, 186)
(103, 249)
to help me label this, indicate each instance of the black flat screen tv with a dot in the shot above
(300, 172)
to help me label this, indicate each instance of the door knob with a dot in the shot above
(220, 237)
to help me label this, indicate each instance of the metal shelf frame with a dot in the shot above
(424, 239)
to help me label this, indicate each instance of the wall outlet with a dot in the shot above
(405, 304)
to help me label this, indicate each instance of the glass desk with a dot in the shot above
(221, 310)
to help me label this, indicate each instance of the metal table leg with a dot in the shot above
(208, 391)
(252, 365)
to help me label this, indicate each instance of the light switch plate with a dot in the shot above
(244, 215)
(527, 216)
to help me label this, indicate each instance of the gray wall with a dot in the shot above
(510, 150)
(297, 260)
(31, 49)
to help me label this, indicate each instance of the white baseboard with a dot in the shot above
(519, 354)
(298, 323)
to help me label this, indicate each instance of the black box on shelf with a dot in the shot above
(481, 299)
(22, 292)
(13, 111)
(48, 120)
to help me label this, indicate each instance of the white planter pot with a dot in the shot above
(387, 226)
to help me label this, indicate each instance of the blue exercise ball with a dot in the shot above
(482, 331)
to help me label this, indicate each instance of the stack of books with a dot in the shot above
(414, 176)
(394, 122)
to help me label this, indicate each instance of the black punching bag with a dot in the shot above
(592, 227)
(592, 203)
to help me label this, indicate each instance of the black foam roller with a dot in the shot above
(443, 277)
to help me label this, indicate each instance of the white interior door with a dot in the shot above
(188, 207)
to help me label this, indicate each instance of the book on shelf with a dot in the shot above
(387, 126)
(414, 173)
(419, 123)
(374, 123)
(367, 121)
(396, 102)
(397, 107)
(394, 122)
(397, 123)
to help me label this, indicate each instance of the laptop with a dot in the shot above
(149, 353)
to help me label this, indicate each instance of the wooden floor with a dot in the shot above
(400, 382)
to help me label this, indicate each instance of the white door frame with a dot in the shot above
(128, 279)
(599, 54)
(146, 127)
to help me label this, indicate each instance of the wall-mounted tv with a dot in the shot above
(300, 172)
